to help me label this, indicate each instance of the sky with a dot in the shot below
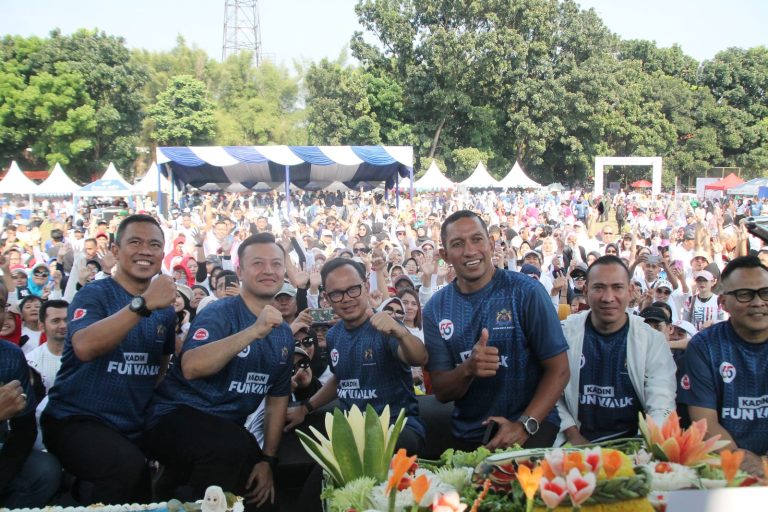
(308, 30)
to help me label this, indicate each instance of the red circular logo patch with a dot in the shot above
(200, 334)
(78, 314)
(685, 382)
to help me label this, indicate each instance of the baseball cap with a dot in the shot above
(689, 235)
(581, 267)
(663, 283)
(287, 289)
(529, 270)
(427, 242)
(532, 253)
(401, 278)
(706, 274)
(300, 351)
(326, 232)
(184, 290)
(654, 313)
(700, 254)
(686, 326)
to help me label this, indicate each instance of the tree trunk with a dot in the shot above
(436, 138)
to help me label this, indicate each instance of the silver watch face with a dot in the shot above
(137, 303)
(531, 425)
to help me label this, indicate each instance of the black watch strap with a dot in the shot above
(272, 460)
(308, 405)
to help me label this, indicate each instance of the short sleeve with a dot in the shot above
(86, 309)
(440, 358)
(541, 325)
(210, 325)
(701, 390)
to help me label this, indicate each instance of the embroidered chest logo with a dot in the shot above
(446, 329)
(504, 316)
(727, 372)
(334, 357)
(283, 353)
(161, 331)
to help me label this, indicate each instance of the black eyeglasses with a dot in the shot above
(745, 295)
(40, 274)
(664, 291)
(305, 342)
(303, 365)
(352, 292)
(5, 305)
(579, 278)
(395, 312)
(364, 250)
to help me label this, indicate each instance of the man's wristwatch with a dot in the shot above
(530, 424)
(308, 405)
(139, 306)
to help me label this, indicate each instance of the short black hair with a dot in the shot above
(741, 262)
(131, 219)
(608, 259)
(29, 298)
(258, 238)
(455, 216)
(335, 263)
(52, 304)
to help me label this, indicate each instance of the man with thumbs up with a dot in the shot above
(495, 346)
(239, 351)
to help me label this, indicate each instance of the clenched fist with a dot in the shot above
(385, 324)
(12, 400)
(161, 293)
(269, 318)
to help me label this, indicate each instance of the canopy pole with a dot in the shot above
(159, 191)
(173, 192)
(410, 169)
(287, 191)
(397, 190)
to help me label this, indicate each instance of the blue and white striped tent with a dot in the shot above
(297, 165)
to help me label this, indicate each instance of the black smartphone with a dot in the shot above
(231, 281)
(490, 431)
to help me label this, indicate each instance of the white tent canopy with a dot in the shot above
(516, 178)
(110, 185)
(433, 179)
(148, 183)
(16, 183)
(57, 184)
(480, 179)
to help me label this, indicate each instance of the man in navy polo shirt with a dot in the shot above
(121, 335)
(239, 351)
(620, 365)
(725, 364)
(370, 355)
(495, 345)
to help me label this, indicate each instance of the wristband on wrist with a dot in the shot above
(272, 460)
(308, 405)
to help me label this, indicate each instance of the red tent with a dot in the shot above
(642, 184)
(729, 181)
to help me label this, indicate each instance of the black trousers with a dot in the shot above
(544, 438)
(198, 450)
(98, 454)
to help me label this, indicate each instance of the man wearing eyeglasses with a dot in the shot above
(370, 355)
(725, 364)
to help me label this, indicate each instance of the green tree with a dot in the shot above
(338, 109)
(183, 115)
(464, 162)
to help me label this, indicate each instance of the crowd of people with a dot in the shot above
(147, 356)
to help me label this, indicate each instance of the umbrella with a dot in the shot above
(642, 184)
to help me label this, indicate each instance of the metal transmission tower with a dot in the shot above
(241, 29)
